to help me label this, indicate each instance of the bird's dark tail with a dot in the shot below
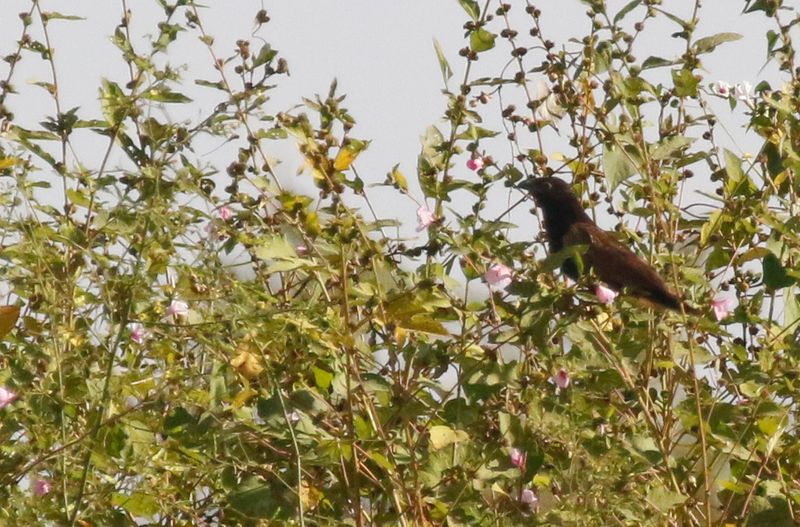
(668, 300)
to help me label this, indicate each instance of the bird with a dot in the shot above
(567, 224)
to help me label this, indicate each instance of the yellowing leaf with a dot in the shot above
(8, 162)
(400, 336)
(442, 436)
(8, 317)
(397, 178)
(243, 396)
(310, 495)
(423, 323)
(247, 364)
(348, 153)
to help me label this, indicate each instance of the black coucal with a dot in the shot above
(567, 224)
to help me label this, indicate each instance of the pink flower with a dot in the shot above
(178, 308)
(138, 334)
(529, 498)
(425, 218)
(225, 213)
(721, 307)
(40, 487)
(721, 88)
(561, 379)
(301, 250)
(519, 458)
(744, 91)
(604, 294)
(475, 163)
(498, 276)
(6, 397)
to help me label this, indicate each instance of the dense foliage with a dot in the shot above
(198, 344)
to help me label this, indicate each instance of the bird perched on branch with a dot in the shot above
(568, 225)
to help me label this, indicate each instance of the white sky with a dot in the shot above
(380, 50)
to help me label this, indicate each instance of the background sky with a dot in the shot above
(380, 51)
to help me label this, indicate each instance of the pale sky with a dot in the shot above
(381, 51)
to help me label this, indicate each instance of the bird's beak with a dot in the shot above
(529, 185)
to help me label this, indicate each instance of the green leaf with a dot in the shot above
(164, 94)
(630, 6)
(211, 84)
(289, 264)
(707, 44)
(768, 6)
(322, 378)
(23, 137)
(78, 197)
(137, 504)
(669, 146)
(736, 181)
(616, 166)
(114, 103)
(53, 15)
(775, 276)
(473, 133)
(442, 436)
(683, 23)
(686, 160)
(656, 62)
(664, 500)
(444, 66)
(275, 247)
(471, 7)
(791, 308)
(255, 500)
(272, 133)
(481, 40)
(265, 55)
(772, 39)
(685, 83)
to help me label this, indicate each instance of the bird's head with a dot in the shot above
(548, 190)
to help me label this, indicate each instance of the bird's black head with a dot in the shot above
(548, 190)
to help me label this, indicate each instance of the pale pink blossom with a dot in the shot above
(425, 218)
(475, 163)
(225, 213)
(561, 379)
(498, 276)
(722, 88)
(40, 487)
(138, 334)
(178, 308)
(212, 230)
(744, 91)
(604, 294)
(6, 397)
(519, 458)
(301, 250)
(722, 307)
(529, 498)
(294, 417)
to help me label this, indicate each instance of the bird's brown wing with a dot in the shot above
(618, 266)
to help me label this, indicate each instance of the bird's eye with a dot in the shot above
(547, 184)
